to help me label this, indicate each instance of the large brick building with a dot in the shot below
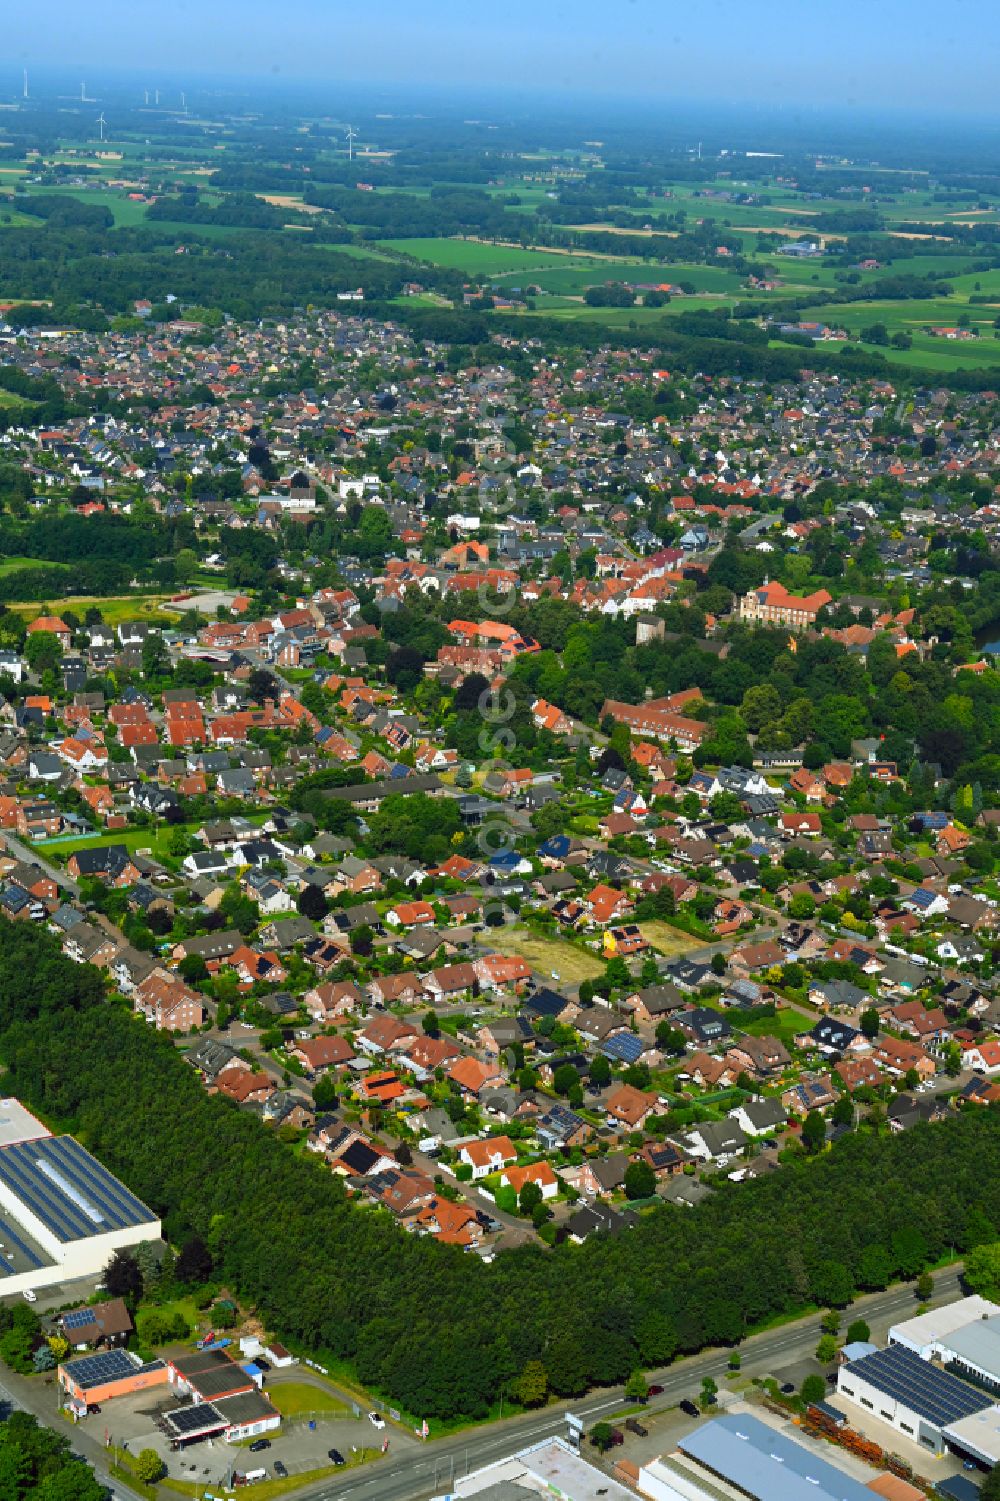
(772, 604)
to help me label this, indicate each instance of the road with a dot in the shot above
(430, 1473)
(32, 856)
(40, 1400)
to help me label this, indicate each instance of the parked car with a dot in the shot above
(634, 1426)
(280, 1469)
(691, 1408)
(29, 1296)
(376, 1419)
(259, 1444)
(335, 1456)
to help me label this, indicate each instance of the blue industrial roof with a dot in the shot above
(69, 1191)
(762, 1463)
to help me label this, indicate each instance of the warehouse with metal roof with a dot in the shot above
(763, 1464)
(62, 1214)
(916, 1398)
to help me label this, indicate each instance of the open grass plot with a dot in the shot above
(556, 958)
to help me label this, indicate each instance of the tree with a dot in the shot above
(830, 1322)
(601, 1435)
(564, 1078)
(122, 1277)
(670, 1039)
(567, 1364)
(44, 1358)
(431, 1024)
(154, 656)
(813, 1131)
(719, 964)
(192, 969)
(925, 1287)
(640, 1180)
(362, 940)
(600, 1071)
(709, 1392)
(813, 1389)
(636, 1386)
(826, 1350)
(325, 1092)
(42, 651)
(148, 1466)
(857, 1332)
(982, 1270)
(870, 1022)
(311, 902)
(990, 1488)
(194, 1263)
(530, 1197)
(531, 1387)
(842, 1113)
(831, 1284)
(874, 1267)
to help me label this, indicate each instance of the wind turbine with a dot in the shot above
(83, 93)
(101, 122)
(157, 98)
(184, 102)
(351, 133)
(146, 95)
(25, 83)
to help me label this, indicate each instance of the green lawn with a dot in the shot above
(293, 1398)
(13, 565)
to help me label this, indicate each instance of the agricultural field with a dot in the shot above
(114, 609)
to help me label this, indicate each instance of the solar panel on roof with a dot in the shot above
(107, 1365)
(78, 1319)
(8, 1234)
(933, 1394)
(195, 1419)
(69, 1191)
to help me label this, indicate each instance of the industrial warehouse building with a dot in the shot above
(62, 1214)
(757, 1461)
(964, 1337)
(926, 1403)
(929, 1334)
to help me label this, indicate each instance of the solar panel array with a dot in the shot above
(95, 1370)
(931, 1393)
(8, 1233)
(188, 1420)
(626, 1046)
(68, 1190)
(78, 1319)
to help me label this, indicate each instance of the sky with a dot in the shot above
(933, 56)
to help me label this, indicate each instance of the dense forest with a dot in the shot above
(37, 1464)
(437, 1329)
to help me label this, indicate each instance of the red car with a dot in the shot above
(654, 1391)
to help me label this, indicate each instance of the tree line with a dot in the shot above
(438, 1330)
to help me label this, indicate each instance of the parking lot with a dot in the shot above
(131, 1424)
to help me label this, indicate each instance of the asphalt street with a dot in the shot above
(412, 1478)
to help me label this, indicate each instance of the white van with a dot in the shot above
(29, 1296)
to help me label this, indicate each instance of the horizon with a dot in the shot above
(776, 57)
